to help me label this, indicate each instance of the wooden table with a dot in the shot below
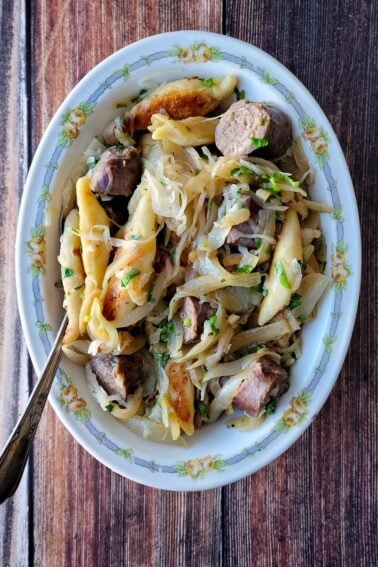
(317, 504)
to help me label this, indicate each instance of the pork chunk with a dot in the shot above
(265, 379)
(117, 374)
(194, 315)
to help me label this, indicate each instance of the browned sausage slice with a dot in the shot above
(265, 377)
(117, 173)
(117, 374)
(246, 126)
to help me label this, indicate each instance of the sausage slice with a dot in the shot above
(246, 121)
(117, 374)
(264, 379)
(117, 173)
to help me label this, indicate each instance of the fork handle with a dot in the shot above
(15, 454)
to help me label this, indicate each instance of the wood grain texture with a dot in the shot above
(14, 375)
(317, 504)
(105, 519)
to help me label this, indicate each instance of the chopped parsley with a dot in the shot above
(119, 147)
(255, 348)
(282, 277)
(301, 319)
(246, 269)
(277, 175)
(212, 321)
(295, 301)
(129, 276)
(201, 408)
(259, 142)
(222, 280)
(109, 408)
(166, 329)
(258, 242)
(162, 357)
(139, 96)
(258, 288)
(240, 95)
(264, 121)
(243, 169)
(208, 82)
(204, 244)
(271, 407)
(66, 272)
(187, 322)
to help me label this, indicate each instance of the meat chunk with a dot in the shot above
(194, 315)
(179, 99)
(266, 380)
(235, 236)
(245, 121)
(117, 173)
(117, 374)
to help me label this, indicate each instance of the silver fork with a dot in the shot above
(15, 454)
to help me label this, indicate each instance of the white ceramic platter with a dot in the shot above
(215, 455)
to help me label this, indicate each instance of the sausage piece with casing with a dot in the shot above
(248, 126)
(117, 374)
(117, 173)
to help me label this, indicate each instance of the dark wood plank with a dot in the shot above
(83, 513)
(317, 504)
(14, 380)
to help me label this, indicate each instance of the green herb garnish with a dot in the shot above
(166, 329)
(208, 82)
(255, 348)
(129, 276)
(162, 357)
(222, 280)
(258, 242)
(258, 288)
(119, 147)
(240, 95)
(259, 142)
(277, 175)
(243, 169)
(282, 277)
(66, 272)
(246, 269)
(271, 407)
(109, 408)
(186, 322)
(212, 321)
(201, 408)
(295, 301)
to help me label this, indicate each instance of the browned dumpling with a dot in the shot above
(180, 99)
